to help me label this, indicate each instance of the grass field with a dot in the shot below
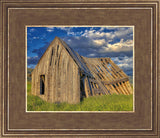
(94, 103)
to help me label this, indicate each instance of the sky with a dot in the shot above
(113, 42)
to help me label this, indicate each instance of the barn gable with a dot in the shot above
(61, 74)
(75, 56)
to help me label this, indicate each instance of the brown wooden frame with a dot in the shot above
(16, 122)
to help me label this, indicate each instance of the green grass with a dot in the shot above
(28, 87)
(95, 103)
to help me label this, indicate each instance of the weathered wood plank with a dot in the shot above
(63, 77)
(104, 71)
(115, 73)
(108, 70)
(75, 85)
(78, 92)
(67, 84)
(86, 87)
(123, 86)
(93, 71)
(116, 67)
(70, 79)
(117, 89)
(113, 89)
(115, 81)
(129, 87)
(126, 87)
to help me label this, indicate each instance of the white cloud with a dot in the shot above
(99, 42)
(102, 28)
(32, 60)
(35, 57)
(91, 55)
(50, 29)
(93, 34)
(65, 28)
(121, 32)
(100, 45)
(35, 37)
(70, 31)
(32, 30)
(120, 46)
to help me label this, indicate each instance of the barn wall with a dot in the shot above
(40, 69)
(62, 79)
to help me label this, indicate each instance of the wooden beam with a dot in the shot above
(109, 87)
(120, 71)
(121, 88)
(96, 76)
(86, 89)
(110, 69)
(112, 89)
(96, 64)
(115, 72)
(129, 87)
(104, 71)
(115, 81)
(126, 91)
(117, 89)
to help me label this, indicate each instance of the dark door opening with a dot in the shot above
(42, 84)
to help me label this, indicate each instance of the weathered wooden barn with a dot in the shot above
(62, 75)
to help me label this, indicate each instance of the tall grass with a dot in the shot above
(28, 87)
(95, 103)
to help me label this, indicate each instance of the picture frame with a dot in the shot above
(62, 97)
(15, 121)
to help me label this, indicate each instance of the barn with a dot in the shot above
(62, 75)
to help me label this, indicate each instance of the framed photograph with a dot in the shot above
(74, 68)
(79, 68)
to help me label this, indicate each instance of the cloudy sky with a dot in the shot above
(113, 42)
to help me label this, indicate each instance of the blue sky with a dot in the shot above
(113, 42)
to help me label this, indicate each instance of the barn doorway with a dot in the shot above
(42, 84)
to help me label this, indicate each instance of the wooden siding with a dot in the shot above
(62, 79)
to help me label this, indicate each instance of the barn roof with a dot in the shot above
(76, 57)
